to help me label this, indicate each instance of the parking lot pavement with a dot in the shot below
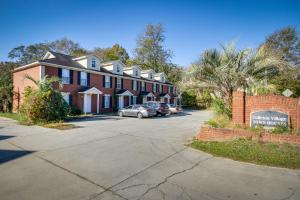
(126, 158)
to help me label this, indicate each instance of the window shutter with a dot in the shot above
(131, 100)
(71, 76)
(88, 79)
(103, 101)
(137, 85)
(111, 82)
(132, 84)
(110, 101)
(121, 83)
(140, 86)
(116, 81)
(103, 81)
(70, 100)
(152, 87)
(78, 78)
(59, 73)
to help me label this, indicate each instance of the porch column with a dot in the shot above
(121, 101)
(84, 102)
(97, 103)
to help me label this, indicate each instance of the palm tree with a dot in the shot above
(45, 84)
(229, 70)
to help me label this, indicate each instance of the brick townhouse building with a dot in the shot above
(95, 86)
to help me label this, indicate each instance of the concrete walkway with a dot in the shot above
(127, 158)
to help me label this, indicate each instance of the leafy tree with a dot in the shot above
(116, 52)
(230, 69)
(45, 103)
(6, 86)
(286, 43)
(27, 54)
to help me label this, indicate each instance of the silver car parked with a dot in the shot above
(139, 111)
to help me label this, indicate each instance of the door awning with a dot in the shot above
(147, 94)
(89, 90)
(164, 95)
(124, 93)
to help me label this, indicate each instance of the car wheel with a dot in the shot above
(169, 112)
(162, 114)
(121, 114)
(140, 115)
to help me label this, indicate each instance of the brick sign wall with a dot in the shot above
(243, 106)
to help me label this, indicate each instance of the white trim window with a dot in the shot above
(163, 79)
(160, 88)
(94, 62)
(136, 73)
(65, 96)
(65, 76)
(134, 85)
(119, 83)
(106, 101)
(118, 69)
(143, 86)
(169, 89)
(107, 81)
(83, 78)
(151, 76)
(154, 87)
(134, 99)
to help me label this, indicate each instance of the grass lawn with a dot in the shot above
(279, 155)
(24, 121)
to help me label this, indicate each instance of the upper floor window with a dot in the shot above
(163, 79)
(154, 87)
(119, 83)
(151, 76)
(134, 85)
(107, 81)
(143, 86)
(118, 69)
(93, 62)
(136, 72)
(65, 76)
(83, 78)
(160, 88)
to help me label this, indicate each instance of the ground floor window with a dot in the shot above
(66, 97)
(134, 100)
(106, 101)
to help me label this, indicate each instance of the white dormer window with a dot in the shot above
(163, 79)
(93, 63)
(65, 76)
(151, 76)
(118, 69)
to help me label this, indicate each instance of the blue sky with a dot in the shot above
(191, 26)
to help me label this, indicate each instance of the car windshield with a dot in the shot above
(129, 107)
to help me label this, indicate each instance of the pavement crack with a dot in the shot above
(131, 186)
(172, 175)
(293, 192)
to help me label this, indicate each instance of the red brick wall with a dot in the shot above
(20, 83)
(149, 87)
(223, 134)
(243, 106)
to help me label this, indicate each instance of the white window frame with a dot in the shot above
(65, 76)
(94, 62)
(143, 86)
(135, 85)
(83, 78)
(151, 76)
(154, 87)
(65, 96)
(169, 89)
(134, 100)
(106, 101)
(107, 82)
(118, 69)
(119, 83)
(136, 73)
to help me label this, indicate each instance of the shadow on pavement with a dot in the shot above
(4, 137)
(8, 155)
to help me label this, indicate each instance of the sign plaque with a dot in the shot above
(269, 119)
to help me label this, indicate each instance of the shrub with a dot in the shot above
(73, 110)
(219, 121)
(280, 128)
(220, 107)
(45, 103)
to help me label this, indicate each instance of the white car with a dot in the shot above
(174, 109)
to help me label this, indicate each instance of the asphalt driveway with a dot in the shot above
(127, 158)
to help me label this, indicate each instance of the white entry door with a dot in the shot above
(121, 101)
(87, 103)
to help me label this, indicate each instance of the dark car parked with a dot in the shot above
(161, 108)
